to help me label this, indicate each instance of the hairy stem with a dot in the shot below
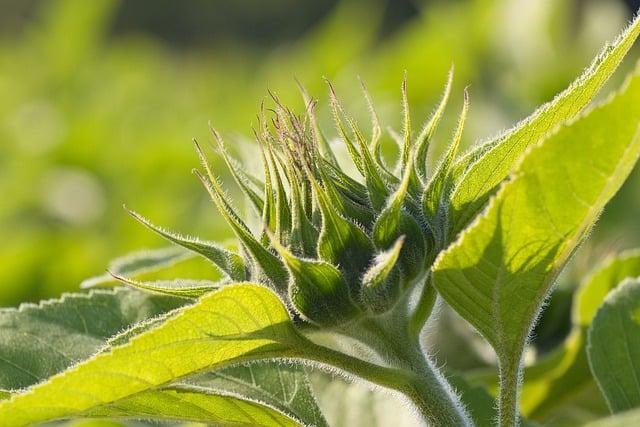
(423, 309)
(508, 412)
(434, 400)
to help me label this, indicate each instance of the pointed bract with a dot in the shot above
(227, 261)
(318, 290)
(380, 288)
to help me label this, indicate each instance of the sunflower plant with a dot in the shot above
(343, 272)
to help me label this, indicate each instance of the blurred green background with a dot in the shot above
(99, 101)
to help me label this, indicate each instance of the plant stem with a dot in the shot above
(508, 412)
(433, 399)
(423, 309)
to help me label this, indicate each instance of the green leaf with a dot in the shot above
(236, 324)
(140, 262)
(490, 164)
(37, 341)
(228, 262)
(559, 376)
(196, 404)
(478, 401)
(79, 334)
(614, 347)
(591, 295)
(94, 423)
(283, 386)
(500, 270)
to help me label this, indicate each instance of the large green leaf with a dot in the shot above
(283, 387)
(614, 347)
(233, 325)
(488, 165)
(560, 379)
(37, 341)
(499, 272)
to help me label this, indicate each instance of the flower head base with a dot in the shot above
(333, 246)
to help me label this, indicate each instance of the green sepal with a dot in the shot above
(342, 242)
(268, 263)
(227, 261)
(319, 138)
(433, 203)
(304, 235)
(345, 206)
(395, 221)
(283, 211)
(376, 129)
(375, 146)
(317, 290)
(380, 287)
(336, 111)
(424, 138)
(241, 179)
(269, 211)
(348, 186)
(377, 188)
(406, 126)
(140, 262)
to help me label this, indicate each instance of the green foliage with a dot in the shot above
(556, 380)
(342, 272)
(497, 158)
(499, 272)
(237, 324)
(67, 330)
(613, 354)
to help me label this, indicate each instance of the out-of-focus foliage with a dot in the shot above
(91, 118)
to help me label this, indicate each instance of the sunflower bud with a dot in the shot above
(333, 246)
